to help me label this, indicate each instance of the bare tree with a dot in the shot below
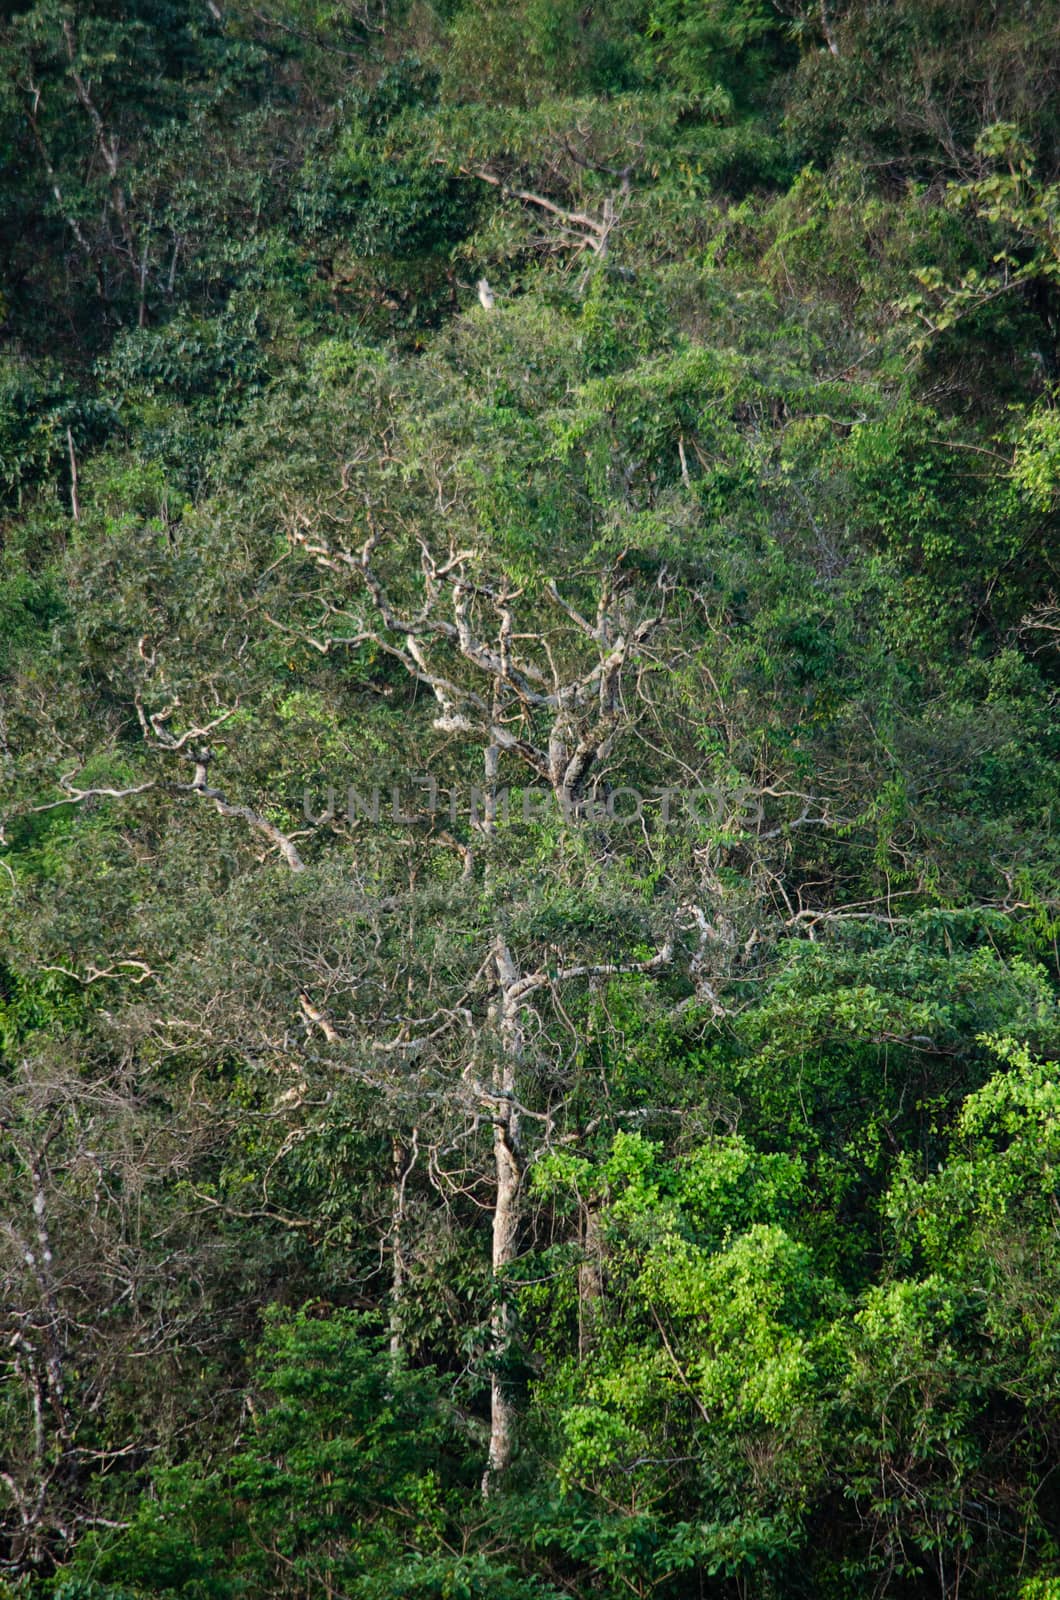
(551, 693)
(86, 1284)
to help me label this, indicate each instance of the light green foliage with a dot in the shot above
(1022, 214)
(1036, 467)
(732, 504)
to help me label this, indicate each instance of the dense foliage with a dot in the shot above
(531, 899)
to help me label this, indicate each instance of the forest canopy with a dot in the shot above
(529, 869)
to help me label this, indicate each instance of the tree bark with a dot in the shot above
(590, 1279)
(402, 1162)
(508, 1172)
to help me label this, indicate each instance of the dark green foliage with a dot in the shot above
(352, 1473)
(722, 537)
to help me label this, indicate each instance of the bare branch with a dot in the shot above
(77, 796)
(95, 974)
(586, 231)
(268, 830)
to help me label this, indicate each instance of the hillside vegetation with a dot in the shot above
(529, 875)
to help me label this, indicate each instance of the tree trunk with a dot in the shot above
(505, 1211)
(402, 1162)
(590, 1279)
